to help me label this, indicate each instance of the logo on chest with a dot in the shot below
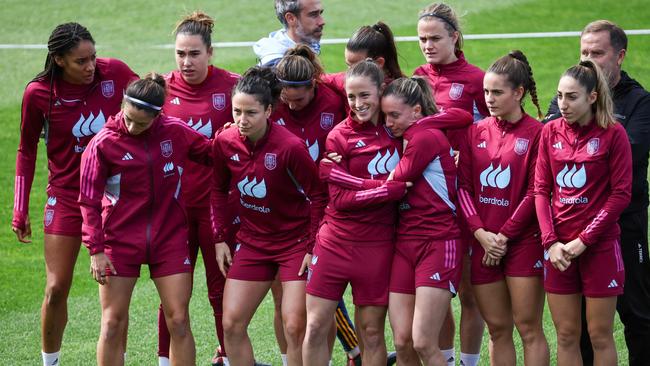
(593, 145)
(166, 149)
(521, 146)
(571, 178)
(219, 101)
(108, 88)
(270, 161)
(456, 91)
(495, 177)
(326, 121)
(383, 163)
(252, 188)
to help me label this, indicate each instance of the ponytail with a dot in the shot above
(299, 67)
(592, 78)
(377, 41)
(414, 90)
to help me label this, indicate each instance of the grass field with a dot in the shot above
(129, 30)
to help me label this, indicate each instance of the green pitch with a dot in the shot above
(129, 30)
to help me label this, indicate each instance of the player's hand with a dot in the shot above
(456, 157)
(502, 240)
(99, 263)
(224, 258)
(557, 257)
(334, 157)
(490, 261)
(488, 241)
(573, 248)
(24, 235)
(305, 263)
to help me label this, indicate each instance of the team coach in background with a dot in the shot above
(606, 44)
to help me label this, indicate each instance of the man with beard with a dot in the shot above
(606, 44)
(303, 23)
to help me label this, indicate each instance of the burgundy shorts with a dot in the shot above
(523, 259)
(62, 215)
(597, 272)
(250, 264)
(158, 267)
(430, 263)
(365, 267)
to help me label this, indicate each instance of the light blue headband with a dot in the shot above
(142, 103)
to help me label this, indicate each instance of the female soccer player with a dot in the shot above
(497, 176)
(426, 268)
(370, 41)
(281, 204)
(199, 94)
(69, 100)
(356, 228)
(455, 83)
(133, 213)
(309, 109)
(583, 182)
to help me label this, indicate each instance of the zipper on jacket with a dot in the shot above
(151, 201)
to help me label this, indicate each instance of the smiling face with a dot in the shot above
(436, 44)
(250, 115)
(399, 115)
(78, 64)
(575, 101)
(363, 98)
(297, 98)
(192, 57)
(136, 120)
(503, 101)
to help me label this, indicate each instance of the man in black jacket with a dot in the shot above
(606, 44)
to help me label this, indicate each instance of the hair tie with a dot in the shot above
(142, 103)
(297, 82)
(444, 19)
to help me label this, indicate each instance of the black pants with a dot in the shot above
(634, 305)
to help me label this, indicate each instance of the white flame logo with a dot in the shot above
(86, 127)
(383, 164)
(199, 127)
(571, 178)
(314, 149)
(252, 188)
(495, 178)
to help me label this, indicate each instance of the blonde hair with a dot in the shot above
(592, 78)
(447, 16)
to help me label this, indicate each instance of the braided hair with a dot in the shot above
(515, 67)
(64, 38)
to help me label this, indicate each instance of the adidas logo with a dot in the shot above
(558, 145)
(482, 145)
(436, 276)
(281, 122)
(613, 284)
(175, 101)
(538, 264)
(360, 143)
(86, 127)
(236, 221)
(187, 262)
(168, 168)
(235, 157)
(127, 156)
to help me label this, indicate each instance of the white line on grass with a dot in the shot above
(345, 40)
